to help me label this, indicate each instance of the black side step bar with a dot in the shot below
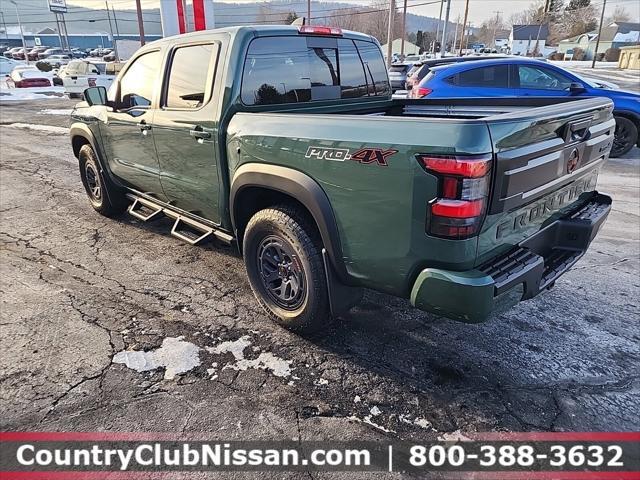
(185, 228)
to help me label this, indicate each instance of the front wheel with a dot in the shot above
(105, 197)
(282, 254)
(625, 137)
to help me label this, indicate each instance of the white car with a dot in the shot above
(79, 75)
(7, 65)
(57, 61)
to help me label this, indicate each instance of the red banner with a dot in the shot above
(199, 20)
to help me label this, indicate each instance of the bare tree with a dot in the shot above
(371, 20)
(620, 14)
(488, 29)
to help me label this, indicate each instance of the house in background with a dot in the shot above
(409, 48)
(525, 39)
(614, 35)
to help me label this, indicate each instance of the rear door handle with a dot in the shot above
(199, 133)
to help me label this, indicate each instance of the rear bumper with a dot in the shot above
(523, 272)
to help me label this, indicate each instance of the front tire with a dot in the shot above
(283, 257)
(625, 137)
(105, 197)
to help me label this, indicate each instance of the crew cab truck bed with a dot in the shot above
(295, 152)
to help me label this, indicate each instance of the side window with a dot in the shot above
(375, 68)
(191, 67)
(353, 83)
(486, 77)
(276, 70)
(304, 69)
(542, 78)
(138, 83)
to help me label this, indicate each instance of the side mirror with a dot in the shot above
(95, 96)
(576, 87)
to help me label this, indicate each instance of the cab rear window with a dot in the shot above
(288, 69)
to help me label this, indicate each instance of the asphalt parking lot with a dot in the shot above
(79, 289)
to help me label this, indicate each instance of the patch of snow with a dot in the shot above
(322, 381)
(375, 411)
(39, 128)
(422, 422)
(265, 361)
(453, 436)
(632, 36)
(356, 399)
(176, 355)
(236, 347)
(368, 421)
(56, 111)
(34, 93)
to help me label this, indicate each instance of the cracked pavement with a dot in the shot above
(77, 288)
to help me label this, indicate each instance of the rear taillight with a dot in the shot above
(422, 92)
(317, 30)
(463, 192)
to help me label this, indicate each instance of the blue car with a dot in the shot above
(521, 77)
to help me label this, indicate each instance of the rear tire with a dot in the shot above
(625, 137)
(283, 257)
(106, 198)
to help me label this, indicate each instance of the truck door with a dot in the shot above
(186, 129)
(127, 133)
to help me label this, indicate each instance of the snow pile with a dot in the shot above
(25, 94)
(630, 37)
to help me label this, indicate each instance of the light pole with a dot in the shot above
(392, 16)
(113, 38)
(24, 45)
(443, 46)
(595, 54)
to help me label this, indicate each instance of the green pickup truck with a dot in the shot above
(285, 142)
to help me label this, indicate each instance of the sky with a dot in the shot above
(479, 10)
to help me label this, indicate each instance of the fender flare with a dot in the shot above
(305, 190)
(635, 117)
(82, 130)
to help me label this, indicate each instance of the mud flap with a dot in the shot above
(341, 297)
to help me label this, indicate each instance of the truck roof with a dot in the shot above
(258, 31)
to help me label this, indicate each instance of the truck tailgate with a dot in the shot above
(546, 160)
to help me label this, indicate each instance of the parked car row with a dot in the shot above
(42, 52)
(517, 77)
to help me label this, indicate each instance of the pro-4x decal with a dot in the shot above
(370, 155)
(364, 155)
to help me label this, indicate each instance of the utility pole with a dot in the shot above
(66, 33)
(24, 45)
(140, 22)
(455, 38)
(433, 50)
(404, 31)
(308, 12)
(115, 21)
(464, 23)
(4, 24)
(443, 48)
(595, 54)
(113, 37)
(392, 11)
(495, 26)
